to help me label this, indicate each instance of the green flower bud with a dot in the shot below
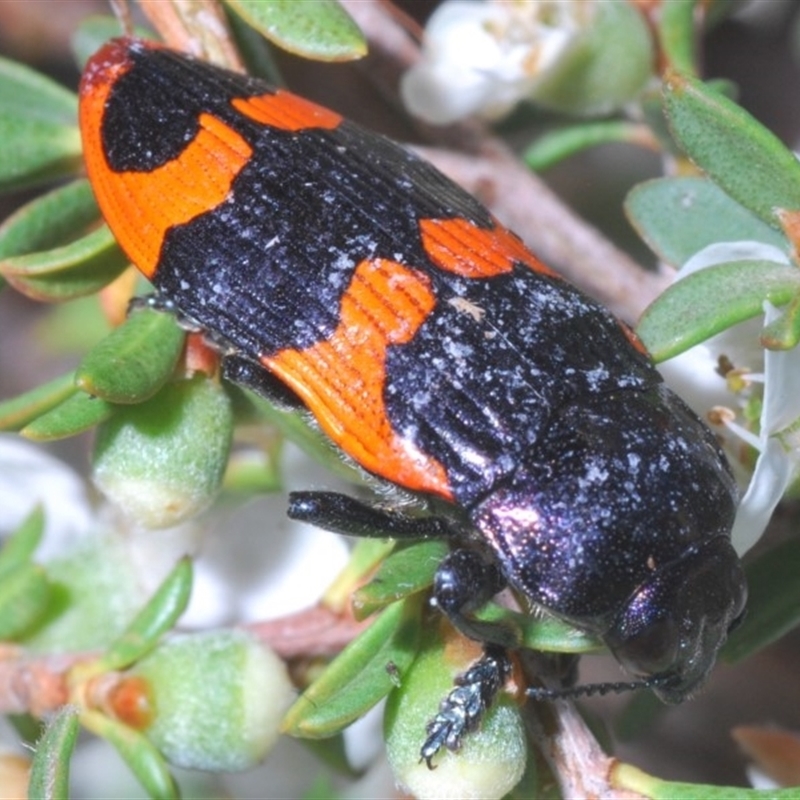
(607, 65)
(491, 760)
(162, 461)
(214, 701)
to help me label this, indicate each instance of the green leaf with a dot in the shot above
(358, 678)
(82, 267)
(546, 634)
(78, 413)
(678, 217)
(558, 145)
(19, 547)
(20, 411)
(318, 29)
(710, 300)
(676, 31)
(146, 763)
(406, 571)
(38, 128)
(135, 360)
(28, 94)
(24, 598)
(51, 220)
(365, 557)
(153, 621)
(162, 461)
(773, 604)
(626, 776)
(50, 768)
(738, 153)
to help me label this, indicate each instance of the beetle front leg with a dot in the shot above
(465, 581)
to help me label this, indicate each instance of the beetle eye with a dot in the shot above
(645, 639)
(651, 648)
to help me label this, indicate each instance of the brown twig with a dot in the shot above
(198, 27)
(33, 684)
(309, 633)
(582, 767)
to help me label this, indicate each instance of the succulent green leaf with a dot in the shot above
(37, 128)
(773, 604)
(162, 461)
(406, 571)
(24, 597)
(711, 300)
(748, 161)
(135, 360)
(678, 217)
(51, 220)
(78, 413)
(358, 678)
(19, 411)
(153, 621)
(50, 767)
(319, 29)
(82, 267)
(19, 547)
(141, 756)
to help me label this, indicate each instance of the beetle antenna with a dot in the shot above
(589, 689)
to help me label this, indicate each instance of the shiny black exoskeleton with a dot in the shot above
(618, 523)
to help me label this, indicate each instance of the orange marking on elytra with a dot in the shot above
(141, 207)
(461, 247)
(341, 379)
(286, 111)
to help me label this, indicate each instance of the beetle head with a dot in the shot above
(674, 623)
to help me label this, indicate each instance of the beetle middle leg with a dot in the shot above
(464, 582)
(341, 513)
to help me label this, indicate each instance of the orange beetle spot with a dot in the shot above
(286, 111)
(461, 247)
(341, 379)
(143, 206)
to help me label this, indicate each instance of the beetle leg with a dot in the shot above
(462, 710)
(341, 513)
(464, 582)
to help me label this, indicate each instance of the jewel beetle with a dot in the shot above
(334, 268)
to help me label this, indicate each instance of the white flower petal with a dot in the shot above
(723, 252)
(29, 475)
(773, 473)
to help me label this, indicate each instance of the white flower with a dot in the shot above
(483, 58)
(778, 374)
(573, 56)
